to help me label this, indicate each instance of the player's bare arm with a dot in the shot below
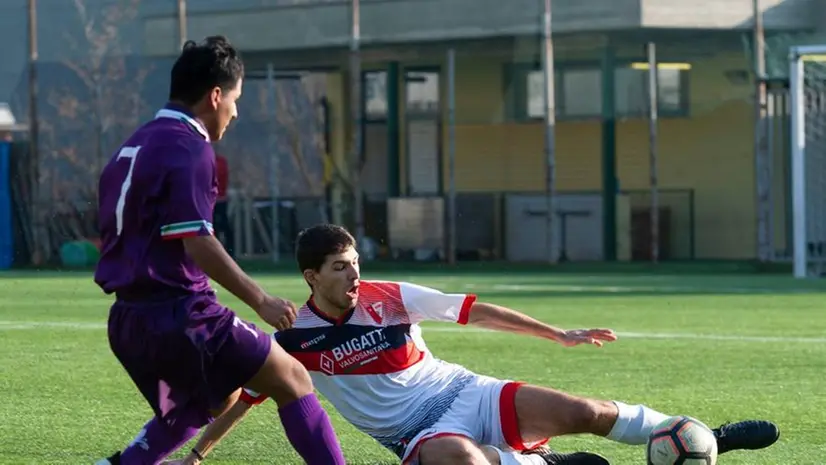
(491, 316)
(209, 254)
(219, 428)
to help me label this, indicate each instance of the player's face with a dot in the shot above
(337, 282)
(224, 106)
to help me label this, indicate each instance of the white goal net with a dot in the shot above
(807, 80)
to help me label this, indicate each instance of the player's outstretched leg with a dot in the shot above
(545, 413)
(551, 457)
(634, 424)
(459, 450)
(305, 422)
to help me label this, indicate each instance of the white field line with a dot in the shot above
(635, 335)
(6, 325)
(9, 325)
(654, 289)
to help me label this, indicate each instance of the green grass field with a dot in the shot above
(718, 348)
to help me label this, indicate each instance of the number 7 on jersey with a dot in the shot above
(132, 154)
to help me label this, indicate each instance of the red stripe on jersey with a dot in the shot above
(464, 312)
(374, 361)
(250, 399)
(169, 237)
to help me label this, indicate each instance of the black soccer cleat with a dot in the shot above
(746, 435)
(112, 460)
(574, 458)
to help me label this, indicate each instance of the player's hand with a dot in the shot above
(277, 312)
(575, 337)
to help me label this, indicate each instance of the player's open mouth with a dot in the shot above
(353, 292)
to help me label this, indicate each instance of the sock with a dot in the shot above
(634, 423)
(515, 458)
(157, 440)
(310, 431)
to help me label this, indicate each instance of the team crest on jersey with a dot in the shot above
(327, 364)
(376, 311)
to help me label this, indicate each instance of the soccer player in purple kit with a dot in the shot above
(187, 354)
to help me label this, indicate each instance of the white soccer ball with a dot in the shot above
(681, 441)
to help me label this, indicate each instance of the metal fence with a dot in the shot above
(489, 226)
(446, 142)
(93, 86)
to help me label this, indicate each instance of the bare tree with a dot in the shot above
(114, 90)
(90, 114)
(301, 120)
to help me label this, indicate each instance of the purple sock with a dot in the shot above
(157, 440)
(310, 432)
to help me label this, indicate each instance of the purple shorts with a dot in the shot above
(186, 354)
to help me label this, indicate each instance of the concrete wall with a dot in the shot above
(325, 24)
(280, 25)
(728, 14)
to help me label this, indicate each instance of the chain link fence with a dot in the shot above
(449, 144)
(95, 85)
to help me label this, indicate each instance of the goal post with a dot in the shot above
(807, 88)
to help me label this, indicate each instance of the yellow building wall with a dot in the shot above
(711, 152)
(336, 162)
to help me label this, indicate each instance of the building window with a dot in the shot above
(375, 95)
(422, 92)
(579, 92)
(534, 94)
(631, 88)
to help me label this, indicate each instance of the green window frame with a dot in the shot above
(578, 89)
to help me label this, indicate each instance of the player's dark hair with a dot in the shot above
(203, 67)
(317, 242)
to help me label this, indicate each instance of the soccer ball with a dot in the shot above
(681, 441)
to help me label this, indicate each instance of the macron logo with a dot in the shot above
(313, 341)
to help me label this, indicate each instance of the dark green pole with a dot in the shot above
(609, 157)
(393, 125)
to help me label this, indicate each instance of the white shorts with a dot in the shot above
(484, 412)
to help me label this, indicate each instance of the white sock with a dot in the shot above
(515, 458)
(634, 423)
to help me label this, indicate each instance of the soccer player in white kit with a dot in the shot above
(362, 345)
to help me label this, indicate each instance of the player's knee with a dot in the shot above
(453, 450)
(296, 378)
(545, 413)
(282, 378)
(592, 416)
(293, 382)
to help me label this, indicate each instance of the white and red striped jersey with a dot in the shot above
(372, 363)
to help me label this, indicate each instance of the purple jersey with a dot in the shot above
(159, 187)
